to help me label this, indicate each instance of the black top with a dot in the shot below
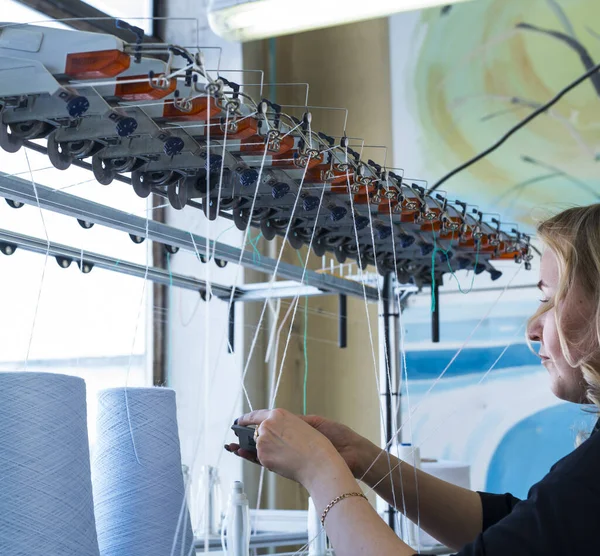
(560, 517)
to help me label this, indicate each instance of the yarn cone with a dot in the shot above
(46, 503)
(139, 490)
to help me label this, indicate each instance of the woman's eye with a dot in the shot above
(544, 300)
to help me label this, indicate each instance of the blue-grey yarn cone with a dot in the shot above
(46, 504)
(138, 481)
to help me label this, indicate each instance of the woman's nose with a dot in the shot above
(534, 330)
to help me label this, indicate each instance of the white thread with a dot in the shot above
(206, 404)
(312, 237)
(220, 176)
(385, 347)
(271, 283)
(239, 265)
(483, 377)
(43, 277)
(448, 365)
(444, 421)
(481, 380)
(275, 383)
(363, 280)
(275, 316)
(137, 323)
(402, 368)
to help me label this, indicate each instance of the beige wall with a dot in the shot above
(346, 67)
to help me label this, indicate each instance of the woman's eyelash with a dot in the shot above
(544, 300)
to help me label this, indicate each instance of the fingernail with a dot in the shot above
(236, 422)
(227, 447)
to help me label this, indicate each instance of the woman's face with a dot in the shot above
(567, 382)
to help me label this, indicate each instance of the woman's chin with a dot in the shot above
(563, 392)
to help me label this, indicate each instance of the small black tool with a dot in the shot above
(246, 436)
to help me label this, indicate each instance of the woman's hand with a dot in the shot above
(357, 451)
(289, 446)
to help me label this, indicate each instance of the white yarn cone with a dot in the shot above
(46, 505)
(138, 481)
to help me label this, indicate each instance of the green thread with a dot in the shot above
(305, 343)
(437, 249)
(224, 232)
(472, 277)
(254, 244)
(214, 244)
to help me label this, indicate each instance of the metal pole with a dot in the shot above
(389, 318)
(343, 321)
(17, 189)
(231, 332)
(435, 315)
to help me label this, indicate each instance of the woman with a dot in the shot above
(561, 513)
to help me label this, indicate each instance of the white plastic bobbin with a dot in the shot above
(235, 537)
(317, 538)
(409, 454)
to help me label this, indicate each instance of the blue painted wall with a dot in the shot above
(531, 447)
(506, 423)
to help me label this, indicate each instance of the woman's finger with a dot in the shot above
(253, 418)
(244, 454)
(313, 420)
(250, 456)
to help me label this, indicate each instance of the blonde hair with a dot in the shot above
(574, 237)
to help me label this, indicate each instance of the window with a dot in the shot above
(60, 320)
(132, 11)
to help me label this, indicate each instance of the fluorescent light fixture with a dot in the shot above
(260, 19)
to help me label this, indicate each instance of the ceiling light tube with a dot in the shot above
(260, 19)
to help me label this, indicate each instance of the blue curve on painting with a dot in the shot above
(428, 364)
(528, 450)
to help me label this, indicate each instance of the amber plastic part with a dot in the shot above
(452, 235)
(318, 174)
(285, 161)
(245, 128)
(143, 90)
(256, 144)
(341, 179)
(361, 199)
(96, 65)
(497, 250)
(468, 242)
(408, 217)
(386, 205)
(505, 255)
(434, 226)
(197, 113)
(343, 189)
